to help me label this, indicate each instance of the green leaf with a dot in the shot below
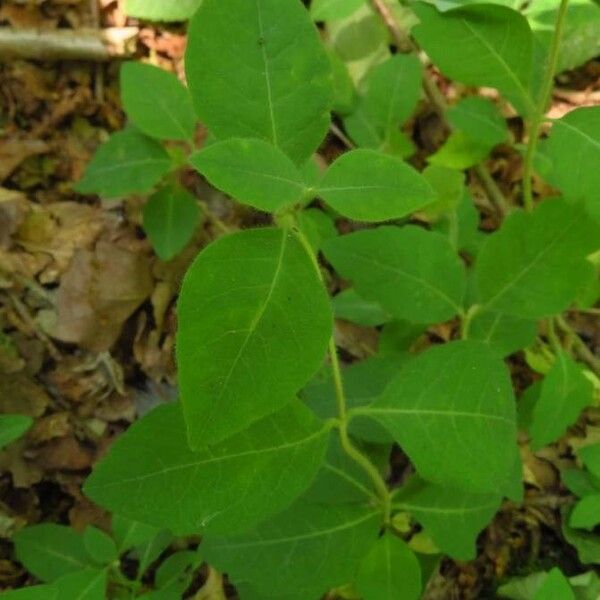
(393, 89)
(156, 102)
(174, 575)
(481, 45)
(348, 305)
(129, 533)
(413, 274)
(451, 517)
(534, 265)
(398, 337)
(50, 551)
(316, 226)
(389, 570)
(574, 148)
(360, 40)
(340, 480)
(151, 549)
(579, 482)
(459, 152)
(343, 86)
(251, 171)
(505, 334)
(255, 321)
(449, 186)
(89, 584)
(580, 41)
(330, 10)
(150, 474)
(100, 546)
(171, 217)
(363, 382)
(299, 550)
(586, 513)
(555, 587)
(590, 456)
(13, 427)
(478, 127)
(35, 592)
(463, 417)
(566, 391)
(174, 567)
(162, 10)
(586, 585)
(587, 544)
(128, 163)
(264, 74)
(522, 588)
(366, 185)
(479, 119)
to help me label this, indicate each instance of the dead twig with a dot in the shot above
(65, 44)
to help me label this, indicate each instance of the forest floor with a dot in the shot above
(87, 319)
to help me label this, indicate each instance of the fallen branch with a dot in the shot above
(66, 44)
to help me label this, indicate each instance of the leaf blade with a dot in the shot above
(463, 418)
(264, 95)
(381, 264)
(229, 377)
(151, 474)
(251, 171)
(366, 185)
(157, 102)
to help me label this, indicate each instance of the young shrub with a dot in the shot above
(274, 453)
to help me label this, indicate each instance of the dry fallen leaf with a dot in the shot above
(63, 454)
(22, 396)
(13, 151)
(98, 293)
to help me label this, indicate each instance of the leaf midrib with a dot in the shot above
(401, 273)
(216, 459)
(304, 536)
(434, 412)
(541, 254)
(253, 325)
(267, 74)
(492, 50)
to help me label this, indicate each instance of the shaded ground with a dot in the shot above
(86, 310)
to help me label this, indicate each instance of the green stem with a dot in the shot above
(342, 425)
(537, 117)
